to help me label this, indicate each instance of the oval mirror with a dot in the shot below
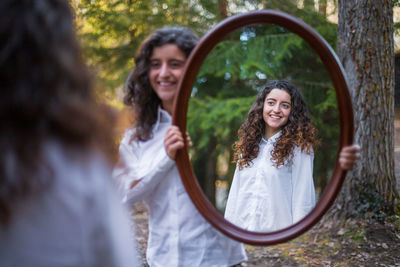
(268, 28)
(227, 83)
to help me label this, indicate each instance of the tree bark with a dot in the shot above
(205, 169)
(366, 49)
(223, 9)
(322, 5)
(309, 4)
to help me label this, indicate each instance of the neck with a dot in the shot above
(269, 133)
(167, 107)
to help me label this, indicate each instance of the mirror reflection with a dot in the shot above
(232, 75)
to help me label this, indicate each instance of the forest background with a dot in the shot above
(112, 30)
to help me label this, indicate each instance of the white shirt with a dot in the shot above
(266, 198)
(77, 221)
(178, 234)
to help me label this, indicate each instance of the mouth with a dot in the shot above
(166, 84)
(276, 117)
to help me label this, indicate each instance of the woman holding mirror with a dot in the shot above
(273, 184)
(178, 234)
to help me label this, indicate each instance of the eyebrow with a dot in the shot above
(171, 59)
(270, 98)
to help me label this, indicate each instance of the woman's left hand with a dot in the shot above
(173, 141)
(349, 157)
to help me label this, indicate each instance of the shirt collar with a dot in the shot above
(162, 117)
(272, 139)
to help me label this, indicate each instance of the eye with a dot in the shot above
(154, 64)
(176, 64)
(270, 102)
(285, 105)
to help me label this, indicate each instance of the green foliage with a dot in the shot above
(215, 121)
(371, 203)
(359, 235)
(112, 30)
(216, 118)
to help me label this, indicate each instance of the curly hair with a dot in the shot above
(140, 94)
(298, 131)
(46, 95)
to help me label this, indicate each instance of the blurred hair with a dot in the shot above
(140, 94)
(298, 131)
(46, 94)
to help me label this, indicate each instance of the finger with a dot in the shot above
(176, 145)
(173, 139)
(171, 149)
(347, 164)
(349, 156)
(171, 132)
(173, 129)
(188, 140)
(351, 149)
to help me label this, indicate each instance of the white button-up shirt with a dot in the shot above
(178, 234)
(266, 198)
(78, 220)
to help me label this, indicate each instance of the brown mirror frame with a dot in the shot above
(335, 69)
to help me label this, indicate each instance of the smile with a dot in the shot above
(275, 116)
(165, 83)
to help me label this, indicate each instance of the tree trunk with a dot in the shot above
(205, 169)
(211, 171)
(322, 5)
(309, 4)
(223, 9)
(366, 49)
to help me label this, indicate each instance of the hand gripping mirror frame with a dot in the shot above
(336, 72)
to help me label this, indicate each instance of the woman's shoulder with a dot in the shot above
(129, 136)
(303, 150)
(87, 164)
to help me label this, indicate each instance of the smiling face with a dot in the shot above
(166, 68)
(276, 111)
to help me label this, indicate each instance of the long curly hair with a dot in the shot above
(298, 131)
(140, 94)
(46, 94)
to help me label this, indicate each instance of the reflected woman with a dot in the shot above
(273, 185)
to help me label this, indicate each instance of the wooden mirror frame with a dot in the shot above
(335, 69)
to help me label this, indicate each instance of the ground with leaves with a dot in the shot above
(357, 243)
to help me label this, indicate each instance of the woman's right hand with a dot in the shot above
(173, 141)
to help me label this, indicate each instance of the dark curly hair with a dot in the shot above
(140, 94)
(46, 94)
(298, 131)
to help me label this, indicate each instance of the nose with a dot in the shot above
(276, 109)
(164, 70)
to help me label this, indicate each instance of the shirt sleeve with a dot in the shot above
(303, 199)
(135, 181)
(120, 235)
(231, 203)
(111, 237)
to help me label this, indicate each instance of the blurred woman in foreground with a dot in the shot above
(57, 203)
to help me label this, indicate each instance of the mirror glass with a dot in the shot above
(225, 88)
